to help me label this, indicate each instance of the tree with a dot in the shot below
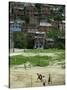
(20, 40)
(57, 14)
(30, 41)
(57, 36)
(23, 40)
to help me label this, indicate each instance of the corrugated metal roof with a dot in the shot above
(50, 39)
(17, 21)
(45, 24)
(40, 32)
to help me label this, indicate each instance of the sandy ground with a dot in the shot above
(19, 77)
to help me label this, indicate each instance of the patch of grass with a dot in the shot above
(39, 60)
(34, 60)
(51, 50)
(60, 56)
(16, 60)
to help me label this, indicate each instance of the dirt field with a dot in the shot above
(19, 77)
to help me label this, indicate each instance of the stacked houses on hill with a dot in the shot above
(33, 19)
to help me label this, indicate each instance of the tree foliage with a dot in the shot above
(19, 40)
(23, 40)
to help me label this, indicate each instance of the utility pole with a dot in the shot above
(14, 21)
(44, 37)
(13, 41)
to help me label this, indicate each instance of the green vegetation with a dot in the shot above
(34, 60)
(19, 40)
(22, 40)
(60, 56)
(26, 40)
(39, 60)
(55, 33)
(50, 50)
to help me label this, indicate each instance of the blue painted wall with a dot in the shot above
(15, 27)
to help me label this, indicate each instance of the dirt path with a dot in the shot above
(32, 54)
(19, 77)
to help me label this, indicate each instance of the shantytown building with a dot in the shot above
(34, 19)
